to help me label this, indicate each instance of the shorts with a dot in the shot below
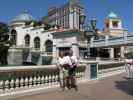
(72, 71)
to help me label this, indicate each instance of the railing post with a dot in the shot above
(91, 71)
(92, 41)
(87, 71)
(125, 37)
(1, 86)
(106, 40)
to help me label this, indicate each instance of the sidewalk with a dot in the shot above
(111, 88)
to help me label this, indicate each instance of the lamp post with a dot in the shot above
(82, 18)
(91, 32)
(93, 23)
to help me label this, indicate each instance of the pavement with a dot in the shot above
(110, 88)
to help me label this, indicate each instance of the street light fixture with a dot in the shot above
(82, 18)
(91, 32)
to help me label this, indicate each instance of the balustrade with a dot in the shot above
(126, 39)
(26, 77)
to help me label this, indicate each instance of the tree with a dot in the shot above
(4, 43)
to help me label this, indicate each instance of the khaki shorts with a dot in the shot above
(65, 73)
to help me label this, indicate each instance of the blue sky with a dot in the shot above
(93, 8)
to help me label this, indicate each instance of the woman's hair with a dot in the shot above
(61, 53)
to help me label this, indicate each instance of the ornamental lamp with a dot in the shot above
(82, 18)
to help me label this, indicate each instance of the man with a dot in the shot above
(128, 67)
(72, 70)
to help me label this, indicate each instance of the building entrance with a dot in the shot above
(64, 49)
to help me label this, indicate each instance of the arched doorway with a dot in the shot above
(13, 37)
(49, 46)
(27, 40)
(37, 42)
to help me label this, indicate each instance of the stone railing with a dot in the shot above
(25, 80)
(110, 71)
(29, 77)
(123, 40)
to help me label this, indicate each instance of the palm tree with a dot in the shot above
(4, 43)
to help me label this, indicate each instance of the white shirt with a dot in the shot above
(67, 60)
(60, 61)
(74, 60)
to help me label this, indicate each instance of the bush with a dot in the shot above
(113, 65)
(129, 55)
(47, 60)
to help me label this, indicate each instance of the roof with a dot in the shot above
(23, 17)
(112, 15)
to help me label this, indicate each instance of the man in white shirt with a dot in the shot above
(72, 70)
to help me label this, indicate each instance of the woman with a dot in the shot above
(63, 73)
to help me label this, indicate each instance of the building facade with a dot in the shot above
(66, 16)
(36, 45)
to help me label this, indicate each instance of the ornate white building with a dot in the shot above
(28, 39)
(33, 44)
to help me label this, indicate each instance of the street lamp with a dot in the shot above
(91, 32)
(82, 18)
(94, 23)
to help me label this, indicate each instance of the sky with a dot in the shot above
(93, 8)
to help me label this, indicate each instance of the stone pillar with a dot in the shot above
(91, 71)
(122, 51)
(15, 56)
(55, 53)
(111, 53)
(87, 72)
(75, 49)
(106, 40)
(40, 60)
(91, 41)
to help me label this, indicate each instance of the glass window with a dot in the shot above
(37, 42)
(27, 40)
(13, 37)
(49, 46)
(115, 24)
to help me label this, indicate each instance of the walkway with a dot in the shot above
(111, 88)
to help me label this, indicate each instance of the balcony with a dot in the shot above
(125, 40)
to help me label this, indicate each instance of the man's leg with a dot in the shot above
(74, 83)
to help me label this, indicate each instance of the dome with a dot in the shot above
(23, 17)
(112, 15)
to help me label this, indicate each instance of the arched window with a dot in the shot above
(37, 42)
(27, 40)
(49, 46)
(13, 37)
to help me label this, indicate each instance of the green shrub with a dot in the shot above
(113, 65)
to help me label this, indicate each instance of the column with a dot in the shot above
(106, 40)
(55, 51)
(40, 60)
(75, 49)
(111, 52)
(122, 50)
(15, 56)
(92, 41)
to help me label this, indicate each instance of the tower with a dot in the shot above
(113, 25)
